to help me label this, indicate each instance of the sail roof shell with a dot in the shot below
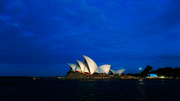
(72, 66)
(99, 70)
(119, 72)
(82, 66)
(113, 71)
(91, 65)
(105, 68)
(78, 68)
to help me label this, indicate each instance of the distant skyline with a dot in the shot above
(38, 37)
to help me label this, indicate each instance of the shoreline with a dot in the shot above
(89, 78)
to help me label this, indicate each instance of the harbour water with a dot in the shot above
(103, 90)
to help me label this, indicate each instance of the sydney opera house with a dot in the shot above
(89, 69)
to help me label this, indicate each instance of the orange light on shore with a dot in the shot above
(78, 71)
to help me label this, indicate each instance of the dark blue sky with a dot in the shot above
(38, 37)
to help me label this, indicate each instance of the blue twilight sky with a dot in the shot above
(38, 37)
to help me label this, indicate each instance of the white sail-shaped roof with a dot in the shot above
(72, 66)
(82, 66)
(79, 63)
(86, 69)
(78, 68)
(105, 68)
(119, 72)
(91, 65)
(113, 71)
(99, 70)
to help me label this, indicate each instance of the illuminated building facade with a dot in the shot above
(88, 68)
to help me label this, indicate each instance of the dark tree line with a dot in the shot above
(146, 71)
(166, 71)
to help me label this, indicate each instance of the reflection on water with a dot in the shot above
(162, 82)
(60, 90)
(141, 90)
